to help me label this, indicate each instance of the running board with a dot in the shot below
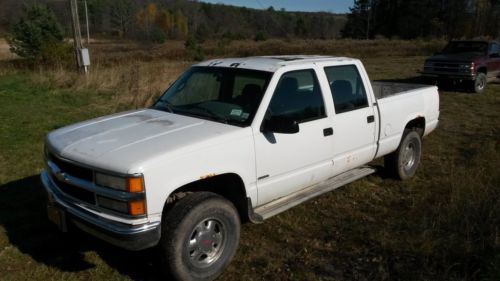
(282, 204)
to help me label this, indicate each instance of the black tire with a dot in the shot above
(403, 163)
(200, 235)
(479, 85)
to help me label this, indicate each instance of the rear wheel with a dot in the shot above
(403, 163)
(200, 235)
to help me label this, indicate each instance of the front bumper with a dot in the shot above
(447, 75)
(127, 236)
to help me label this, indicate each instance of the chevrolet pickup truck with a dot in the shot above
(232, 140)
(474, 62)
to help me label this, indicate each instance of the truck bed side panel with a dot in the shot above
(397, 110)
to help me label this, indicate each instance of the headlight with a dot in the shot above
(132, 184)
(466, 67)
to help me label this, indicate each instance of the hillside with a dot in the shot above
(179, 19)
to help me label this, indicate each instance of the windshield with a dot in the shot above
(226, 95)
(466, 47)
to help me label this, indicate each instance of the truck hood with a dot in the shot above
(123, 141)
(466, 57)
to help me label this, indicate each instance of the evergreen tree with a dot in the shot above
(359, 21)
(35, 30)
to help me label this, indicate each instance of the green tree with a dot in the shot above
(35, 32)
(359, 21)
(121, 15)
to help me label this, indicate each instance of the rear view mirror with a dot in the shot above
(281, 125)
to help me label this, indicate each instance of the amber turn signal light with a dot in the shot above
(137, 208)
(135, 184)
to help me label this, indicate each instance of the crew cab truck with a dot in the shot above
(231, 140)
(474, 62)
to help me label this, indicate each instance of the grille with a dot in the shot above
(450, 67)
(77, 172)
(72, 169)
(76, 192)
(444, 64)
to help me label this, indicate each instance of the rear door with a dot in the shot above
(354, 122)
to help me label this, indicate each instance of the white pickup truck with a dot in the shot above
(231, 140)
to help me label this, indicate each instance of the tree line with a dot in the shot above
(159, 20)
(177, 19)
(410, 19)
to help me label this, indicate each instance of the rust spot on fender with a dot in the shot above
(207, 176)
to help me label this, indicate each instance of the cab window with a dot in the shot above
(495, 49)
(298, 97)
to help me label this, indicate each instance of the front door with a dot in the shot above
(290, 162)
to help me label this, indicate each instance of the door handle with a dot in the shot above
(370, 119)
(327, 132)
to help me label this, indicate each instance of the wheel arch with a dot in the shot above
(482, 69)
(228, 185)
(417, 124)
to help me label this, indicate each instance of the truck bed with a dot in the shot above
(386, 89)
(397, 104)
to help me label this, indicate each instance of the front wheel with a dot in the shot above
(403, 162)
(479, 85)
(200, 235)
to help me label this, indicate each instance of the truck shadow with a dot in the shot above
(23, 216)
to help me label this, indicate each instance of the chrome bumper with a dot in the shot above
(130, 237)
(448, 75)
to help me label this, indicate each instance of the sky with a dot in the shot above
(333, 6)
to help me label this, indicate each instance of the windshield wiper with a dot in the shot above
(210, 114)
(166, 105)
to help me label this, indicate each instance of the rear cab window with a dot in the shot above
(495, 49)
(347, 88)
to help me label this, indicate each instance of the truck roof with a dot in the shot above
(271, 63)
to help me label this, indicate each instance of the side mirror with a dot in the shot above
(281, 125)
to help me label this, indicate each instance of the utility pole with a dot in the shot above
(87, 22)
(82, 54)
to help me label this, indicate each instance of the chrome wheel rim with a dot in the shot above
(206, 243)
(409, 156)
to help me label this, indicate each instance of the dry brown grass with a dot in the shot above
(136, 74)
(131, 84)
(353, 48)
(5, 53)
(109, 52)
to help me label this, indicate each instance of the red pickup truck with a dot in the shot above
(474, 63)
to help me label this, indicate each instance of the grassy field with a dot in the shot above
(441, 225)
